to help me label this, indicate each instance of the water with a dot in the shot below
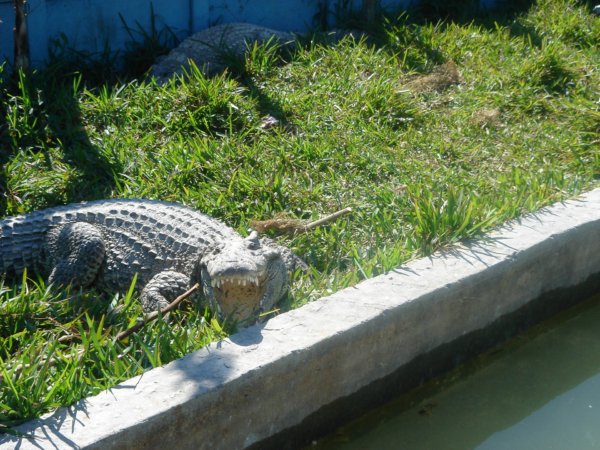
(538, 391)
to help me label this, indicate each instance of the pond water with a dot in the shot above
(540, 390)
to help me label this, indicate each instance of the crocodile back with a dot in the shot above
(162, 231)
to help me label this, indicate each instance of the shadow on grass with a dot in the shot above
(42, 133)
(41, 115)
(463, 12)
(396, 30)
(502, 13)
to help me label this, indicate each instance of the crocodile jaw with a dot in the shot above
(239, 295)
(243, 278)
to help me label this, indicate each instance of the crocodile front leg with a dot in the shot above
(71, 254)
(162, 289)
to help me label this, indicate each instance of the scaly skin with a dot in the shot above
(206, 48)
(171, 247)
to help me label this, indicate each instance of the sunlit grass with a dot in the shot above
(419, 163)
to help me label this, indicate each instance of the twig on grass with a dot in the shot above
(292, 227)
(154, 315)
(333, 216)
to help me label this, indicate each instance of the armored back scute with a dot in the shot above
(21, 236)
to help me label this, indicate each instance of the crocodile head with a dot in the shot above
(244, 278)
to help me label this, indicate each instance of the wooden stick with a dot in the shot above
(154, 315)
(334, 216)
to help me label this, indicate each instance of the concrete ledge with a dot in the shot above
(289, 381)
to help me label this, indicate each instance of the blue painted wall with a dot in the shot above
(91, 24)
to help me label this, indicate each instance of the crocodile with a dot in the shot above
(207, 47)
(170, 247)
(210, 49)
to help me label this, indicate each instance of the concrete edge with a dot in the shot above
(297, 377)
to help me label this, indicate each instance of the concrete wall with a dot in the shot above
(91, 24)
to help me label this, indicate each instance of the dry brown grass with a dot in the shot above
(441, 79)
(278, 225)
(486, 118)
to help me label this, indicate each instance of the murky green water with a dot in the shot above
(538, 391)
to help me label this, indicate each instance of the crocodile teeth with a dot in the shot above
(241, 280)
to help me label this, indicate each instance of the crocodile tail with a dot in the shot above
(20, 243)
(6, 248)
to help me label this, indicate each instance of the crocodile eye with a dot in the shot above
(252, 241)
(271, 256)
(253, 245)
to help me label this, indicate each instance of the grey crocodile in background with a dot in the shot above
(206, 48)
(171, 247)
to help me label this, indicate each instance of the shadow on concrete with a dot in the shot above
(51, 436)
(250, 336)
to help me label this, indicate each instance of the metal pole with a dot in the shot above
(191, 13)
(368, 10)
(20, 34)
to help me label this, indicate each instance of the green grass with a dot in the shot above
(421, 168)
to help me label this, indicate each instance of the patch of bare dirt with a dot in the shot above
(278, 225)
(486, 118)
(442, 78)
